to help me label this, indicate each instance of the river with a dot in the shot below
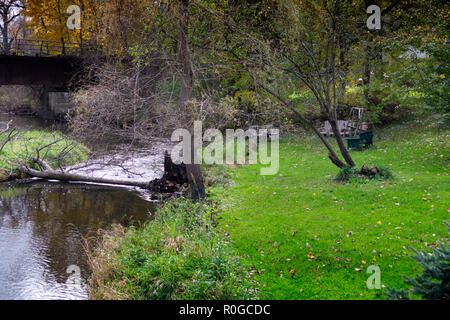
(43, 224)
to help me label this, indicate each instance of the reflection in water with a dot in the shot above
(41, 230)
(23, 122)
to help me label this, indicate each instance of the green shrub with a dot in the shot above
(384, 173)
(352, 174)
(434, 282)
(64, 152)
(180, 254)
(434, 81)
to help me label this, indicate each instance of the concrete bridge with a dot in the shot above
(50, 65)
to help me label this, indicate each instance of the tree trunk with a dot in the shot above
(193, 170)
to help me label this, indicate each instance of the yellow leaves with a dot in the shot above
(442, 76)
(379, 222)
(363, 262)
(310, 255)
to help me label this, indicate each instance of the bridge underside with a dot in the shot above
(52, 71)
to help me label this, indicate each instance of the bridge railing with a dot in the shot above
(42, 48)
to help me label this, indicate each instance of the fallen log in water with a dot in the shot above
(174, 176)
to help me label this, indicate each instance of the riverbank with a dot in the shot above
(55, 148)
(299, 234)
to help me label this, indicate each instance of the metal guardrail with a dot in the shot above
(42, 48)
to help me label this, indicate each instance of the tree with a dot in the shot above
(411, 23)
(9, 11)
(117, 25)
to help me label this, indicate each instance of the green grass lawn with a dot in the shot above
(64, 152)
(307, 236)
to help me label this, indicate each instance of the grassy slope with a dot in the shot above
(272, 218)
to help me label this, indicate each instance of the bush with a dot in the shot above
(384, 173)
(434, 282)
(435, 82)
(118, 105)
(180, 254)
(387, 101)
